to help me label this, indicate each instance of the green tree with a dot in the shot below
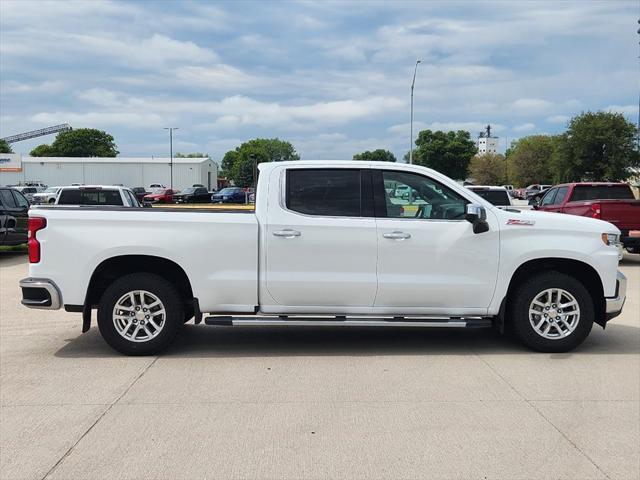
(5, 147)
(43, 150)
(238, 164)
(488, 169)
(191, 155)
(378, 155)
(83, 142)
(597, 146)
(529, 160)
(447, 152)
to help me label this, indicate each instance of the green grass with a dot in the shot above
(14, 248)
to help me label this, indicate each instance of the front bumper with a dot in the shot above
(40, 293)
(614, 304)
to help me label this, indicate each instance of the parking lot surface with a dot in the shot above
(294, 403)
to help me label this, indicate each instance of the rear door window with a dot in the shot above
(327, 192)
(8, 199)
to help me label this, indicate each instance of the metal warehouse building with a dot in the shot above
(131, 172)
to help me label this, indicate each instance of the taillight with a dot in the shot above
(595, 210)
(35, 224)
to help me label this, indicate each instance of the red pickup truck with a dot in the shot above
(612, 202)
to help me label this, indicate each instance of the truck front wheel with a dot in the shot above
(140, 314)
(551, 312)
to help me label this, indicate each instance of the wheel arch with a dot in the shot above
(115, 267)
(581, 271)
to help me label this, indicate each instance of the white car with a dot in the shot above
(327, 247)
(97, 195)
(29, 191)
(47, 196)
(498, 196)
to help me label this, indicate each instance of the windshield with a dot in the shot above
(228, 190)
(189, 190)
(51, 190)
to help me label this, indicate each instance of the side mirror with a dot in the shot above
(534, 202)
(477, 216)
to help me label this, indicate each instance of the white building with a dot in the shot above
(128, 171)
(486, 143)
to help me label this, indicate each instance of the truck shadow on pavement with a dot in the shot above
(198, 341)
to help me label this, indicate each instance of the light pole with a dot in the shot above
(413, 83)
(171, 129)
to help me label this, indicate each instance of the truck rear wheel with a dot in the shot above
(140, 314)
(552, 312)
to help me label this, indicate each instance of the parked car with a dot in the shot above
(229, 195)
(534, 189)
(498, 196)
(510, 190)
(612, 202)
(193, 195)
(318, 245)
(102, 195)
(14, 209)
(48, 196)
(28, 192)
(140, 193)
(162, 195)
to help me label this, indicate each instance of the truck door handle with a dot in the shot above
(287, 233)
(397, 235)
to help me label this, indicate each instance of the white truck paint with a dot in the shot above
(279, 262)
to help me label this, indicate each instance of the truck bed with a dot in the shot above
(223, 268)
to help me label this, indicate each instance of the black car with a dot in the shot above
(193, 195)
(139, 192)
(14, 218)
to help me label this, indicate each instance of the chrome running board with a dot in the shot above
(298, 321)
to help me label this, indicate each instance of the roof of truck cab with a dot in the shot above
(339, 163)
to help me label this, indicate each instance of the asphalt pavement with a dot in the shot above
(307, 403)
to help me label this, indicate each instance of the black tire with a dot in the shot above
(52, 200)
(160, 288)
(524, 295)
(633, 250)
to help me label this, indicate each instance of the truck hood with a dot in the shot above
(516, 218)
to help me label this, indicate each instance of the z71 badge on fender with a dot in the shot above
(515, 221)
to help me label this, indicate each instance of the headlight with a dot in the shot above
(611, 239)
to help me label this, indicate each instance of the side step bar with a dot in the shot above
(348, 322)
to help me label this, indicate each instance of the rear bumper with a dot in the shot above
(40, 293)
(614, 304)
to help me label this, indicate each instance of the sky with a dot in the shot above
(333, 78)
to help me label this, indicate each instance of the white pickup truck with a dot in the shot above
(330, 244)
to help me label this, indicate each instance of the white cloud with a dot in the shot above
(472, 127)
(624, 109)
(525, 127)
(101, 119)
(558, 119)
(530, 106)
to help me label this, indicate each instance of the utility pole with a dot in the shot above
(171, 129)
(413, 82)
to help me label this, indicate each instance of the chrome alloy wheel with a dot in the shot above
(554, 313)
(139, 316)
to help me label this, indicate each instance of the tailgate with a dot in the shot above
(624, 214)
